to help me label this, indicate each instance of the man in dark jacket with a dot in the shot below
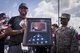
(16, 29)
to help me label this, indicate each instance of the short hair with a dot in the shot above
(55, 25)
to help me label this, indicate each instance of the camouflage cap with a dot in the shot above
(65, 15)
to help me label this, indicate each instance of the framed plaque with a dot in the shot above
(38, 32)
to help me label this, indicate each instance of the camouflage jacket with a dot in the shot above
(66, 41)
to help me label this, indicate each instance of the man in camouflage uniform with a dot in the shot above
(66, 41)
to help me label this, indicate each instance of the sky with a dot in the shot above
(45, 9)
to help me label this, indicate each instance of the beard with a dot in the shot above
(23, 13)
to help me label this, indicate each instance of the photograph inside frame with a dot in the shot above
(38, 27)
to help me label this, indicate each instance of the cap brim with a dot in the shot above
(62, 17)
(23, 6)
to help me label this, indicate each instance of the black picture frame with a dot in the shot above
(38, 32)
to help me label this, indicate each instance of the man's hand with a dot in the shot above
(2, 34)
(24, 26)
(7, 29)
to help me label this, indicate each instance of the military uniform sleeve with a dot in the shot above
(74, 42)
